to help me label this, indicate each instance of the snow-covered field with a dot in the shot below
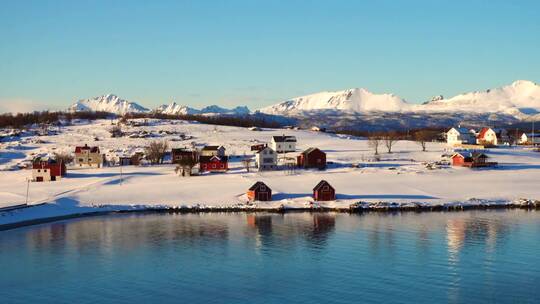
(401, 176)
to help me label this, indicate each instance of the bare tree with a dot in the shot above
(155, 152)
(65, 158)
(116, 131)
(390, 138)
(374, 141)
(424, 136)
(186, 164)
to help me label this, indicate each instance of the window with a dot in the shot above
(263, 188)
(326, 188)
(213, 166)
(39, 170)
(81, 160)
(45, 170)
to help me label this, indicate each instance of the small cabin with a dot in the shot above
(259, 192)
(312, 158)
(324, 192)
(471, 160)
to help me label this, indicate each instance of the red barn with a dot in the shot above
(324, 192)
(259, 192)
(312, 158)
(213, 163)
(471, 160)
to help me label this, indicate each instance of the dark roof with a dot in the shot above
(323, 183)
(206, 159)
(265, 148)
(309, 150)
(257, 185)
(284, 138)
(211, 148)
(473, 155)
(79, 149)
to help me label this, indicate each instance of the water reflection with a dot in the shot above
(440, 257)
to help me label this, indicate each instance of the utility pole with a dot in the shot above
(121, 173)
(532, 135)
(27, 190)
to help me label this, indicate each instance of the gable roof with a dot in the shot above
(207, 159)
(212, 148)
(284, 138)
(265, 148)
(473, 155)
(257, 185)
(321, 184)
(79, 149)
(461, 130)
(312, 149)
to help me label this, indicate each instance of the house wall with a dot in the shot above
(87, 159)
(281, 147)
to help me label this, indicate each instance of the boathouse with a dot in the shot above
(312, 158)
(259, 192)
(324, 192)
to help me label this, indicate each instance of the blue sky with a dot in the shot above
(257, 53)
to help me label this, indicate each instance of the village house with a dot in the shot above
(312, 158)
(324, 192)
(213, 151)
(460, 136)
(283, 144)
(471, 160)
(213, 163)
(86, 156)
(180, 154)
(529, 139)
(266, 159)
(133, 160)
(493, 137)
(259, 192)
(187, 161)
(46, 169)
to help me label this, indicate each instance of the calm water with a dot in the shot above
(466, 257)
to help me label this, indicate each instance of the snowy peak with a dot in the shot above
(521, 96)
(107, 103)
(176, 109)
(352, 100)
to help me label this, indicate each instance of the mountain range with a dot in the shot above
(517, 101)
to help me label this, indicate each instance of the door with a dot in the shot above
(39, 178)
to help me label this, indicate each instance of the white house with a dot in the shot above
(493, 137)
(213, 151)
(460, 136)
(529, 138)
(282, 144)
(266, 159)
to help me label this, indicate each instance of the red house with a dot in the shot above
(213, 163)
(259, 192)
(471, 160)
(47, 170)
(312, 158)
(324, 192)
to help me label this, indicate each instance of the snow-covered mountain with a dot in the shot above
(107, 103)
(519, 99)
(352, 100)
(522, 97)
(176, 109)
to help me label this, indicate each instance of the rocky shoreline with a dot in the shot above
(359, 207)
